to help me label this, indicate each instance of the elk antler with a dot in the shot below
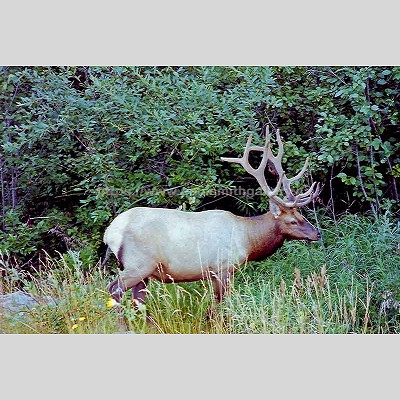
(258, 173)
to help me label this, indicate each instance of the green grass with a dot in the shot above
(347, 283)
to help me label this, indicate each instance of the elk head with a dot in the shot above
(290, 223)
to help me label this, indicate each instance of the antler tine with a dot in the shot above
(288, 181)
(277, 162)
(305, 197)
(241, 160)
(301, 173)
(280, 146)
(312, 196)
(308, 193)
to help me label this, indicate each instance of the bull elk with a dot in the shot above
(178, 246)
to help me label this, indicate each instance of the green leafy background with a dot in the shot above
(82, 144)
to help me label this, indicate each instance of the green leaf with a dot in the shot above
(376, 143)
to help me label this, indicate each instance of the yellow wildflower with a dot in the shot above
(74, 326)
(82, 318)
(111, 302)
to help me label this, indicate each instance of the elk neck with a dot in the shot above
(264, 236)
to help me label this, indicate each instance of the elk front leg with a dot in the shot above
(221, 285)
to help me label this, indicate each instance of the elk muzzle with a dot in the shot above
(316, 235)
(313, 234)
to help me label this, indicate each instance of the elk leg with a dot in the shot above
(139, 296)
(221, 285)
(116, 290)
(139, 292)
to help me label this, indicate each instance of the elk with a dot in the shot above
(179, 246)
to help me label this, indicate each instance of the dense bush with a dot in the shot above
(80, 145)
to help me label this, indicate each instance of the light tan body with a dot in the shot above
(177, 246)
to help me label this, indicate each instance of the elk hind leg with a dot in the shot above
(117, 289)
(139, 292)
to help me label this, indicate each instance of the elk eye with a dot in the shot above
(293, 222)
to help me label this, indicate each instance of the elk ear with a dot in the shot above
(275, 209)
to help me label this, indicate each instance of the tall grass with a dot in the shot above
(348, 283)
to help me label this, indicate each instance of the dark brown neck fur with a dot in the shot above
(264, 235)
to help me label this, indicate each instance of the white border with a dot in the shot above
(199, 366)
(199, 33)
